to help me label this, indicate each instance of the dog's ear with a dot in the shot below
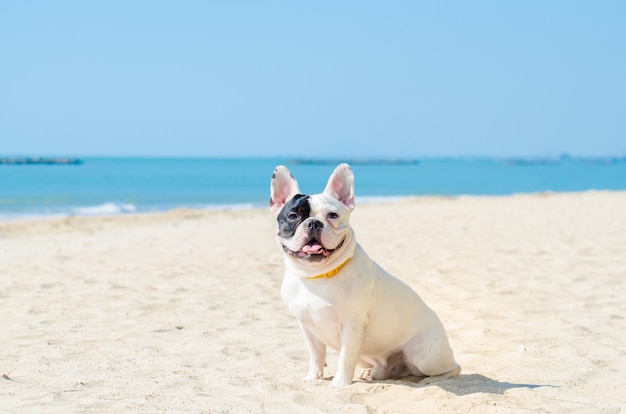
(341, 185)
(284, 186)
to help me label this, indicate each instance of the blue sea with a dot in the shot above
(136, 185)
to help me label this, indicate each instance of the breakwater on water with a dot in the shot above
(40, 160)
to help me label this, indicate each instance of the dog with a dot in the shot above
(342, 299)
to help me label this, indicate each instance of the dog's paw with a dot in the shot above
(428, 381)
(313, 376)
(441, 377)
(339, 381)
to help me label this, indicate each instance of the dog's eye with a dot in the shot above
(292, 216)
(333, 216)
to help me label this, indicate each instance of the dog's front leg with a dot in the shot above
(317, 355)
(351, 341)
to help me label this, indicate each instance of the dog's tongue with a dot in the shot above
(312, 248)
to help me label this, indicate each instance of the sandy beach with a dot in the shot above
(180, 312)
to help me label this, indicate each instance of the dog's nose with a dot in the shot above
(315, 224)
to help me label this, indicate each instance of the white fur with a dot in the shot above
(375, 320)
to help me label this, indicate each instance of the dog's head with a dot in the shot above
(314, 230)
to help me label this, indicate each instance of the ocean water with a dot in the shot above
(132, 185)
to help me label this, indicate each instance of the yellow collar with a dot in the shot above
(332, 273)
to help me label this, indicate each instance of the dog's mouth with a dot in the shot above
(313, 250)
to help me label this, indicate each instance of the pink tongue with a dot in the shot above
(312, 248)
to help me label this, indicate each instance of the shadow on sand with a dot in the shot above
(466, 384)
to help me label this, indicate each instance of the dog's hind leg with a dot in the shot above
(431, 356)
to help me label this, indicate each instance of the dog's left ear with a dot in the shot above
(341, 185)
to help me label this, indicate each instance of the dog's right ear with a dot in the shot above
(284, 187)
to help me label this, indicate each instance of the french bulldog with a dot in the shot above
(342, 299)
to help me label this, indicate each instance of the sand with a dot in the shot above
(180, 312)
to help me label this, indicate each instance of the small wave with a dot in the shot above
(228, 207)
(105, 209)
(379, 199)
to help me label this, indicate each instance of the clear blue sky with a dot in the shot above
(313, 79)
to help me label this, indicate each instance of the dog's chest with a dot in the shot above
(314, 310)
(321, 319)
(320, 315)
(310, 307)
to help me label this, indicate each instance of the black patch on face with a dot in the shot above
(294, 212)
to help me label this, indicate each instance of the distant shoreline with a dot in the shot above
(40, 161)
(513, 161)
(364, 161)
